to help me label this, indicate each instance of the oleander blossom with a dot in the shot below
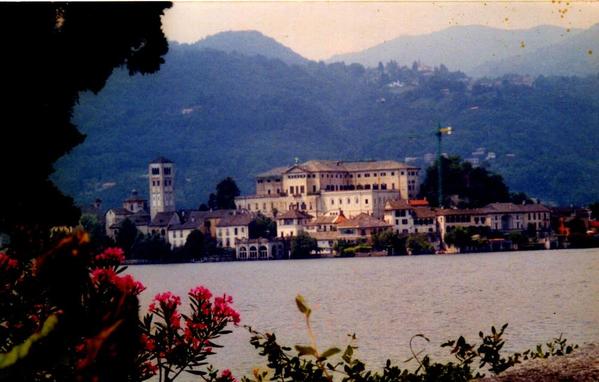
(166, 300)
(223, 310)
(226, 375)
(200, 293)
(111, 256)
(7, 263)
(126, 284)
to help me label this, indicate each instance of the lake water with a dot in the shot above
(387, 300)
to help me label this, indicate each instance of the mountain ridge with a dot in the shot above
(463, 48)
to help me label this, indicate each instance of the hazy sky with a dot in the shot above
(317, 30)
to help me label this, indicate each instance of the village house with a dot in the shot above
(232, 228)
(291, 223)
(362, 226)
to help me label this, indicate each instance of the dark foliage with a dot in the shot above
(52, 52)
(475, 186)
(127, 236)
(262, 226)
(302, 246)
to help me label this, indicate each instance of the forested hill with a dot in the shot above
(249, 43)
(220, 114)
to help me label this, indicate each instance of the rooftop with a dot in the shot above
(363, 220)
(235, 220)
(294, 214)
(161, 159)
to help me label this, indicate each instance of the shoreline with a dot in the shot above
(582, 365)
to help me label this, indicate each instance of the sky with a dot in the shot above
(319, 29)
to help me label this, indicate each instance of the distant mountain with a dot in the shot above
(461, 48)
(218, 114)
(576, 55)
(249, 43)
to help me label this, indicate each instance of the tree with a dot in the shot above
(520, 198)
(594, 207)
(475, 186)
(418, 244)
(126, 236)
(262, 226)
(194, 245)
(390, 240)
(226, 191)
(151, 247)
(52, 52)
(459, 237)
(96, 230)
(302, 246)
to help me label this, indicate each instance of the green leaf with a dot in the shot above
(305, 350)
(22, 350)
(330, 352)
(302, 305)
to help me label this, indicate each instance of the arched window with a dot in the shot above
(263, 252)
(253, 253)
(243, 253)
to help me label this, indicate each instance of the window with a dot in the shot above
(332, 202)
(155, 171)
(365, 201)
(253, 252)
(263, 251)
(340, 201)
(167, 171)
(404, 221)
(367, 175)
(302, 190)
(235, 231)
(243, 253)
(396, 221)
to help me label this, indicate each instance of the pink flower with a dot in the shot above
(126, 284)
(111, 256)
(167, 300)
(223, 310)
(148, 343)
(175, 320)
(7, 263)
(227, 376)
(200, 293)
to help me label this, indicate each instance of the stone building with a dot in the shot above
(133, 208)
(291, 223)
(232, 228)
(323, 187)
(161, 175)
(258, 249)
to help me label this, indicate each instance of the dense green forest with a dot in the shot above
(218, 114)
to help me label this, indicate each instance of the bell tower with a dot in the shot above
(161, 174)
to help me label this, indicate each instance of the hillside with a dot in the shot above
(249, 43)
(467, 48)
(222, 114)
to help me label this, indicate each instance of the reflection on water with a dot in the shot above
(387, 300)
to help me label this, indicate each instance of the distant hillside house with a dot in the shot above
(323, 187)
